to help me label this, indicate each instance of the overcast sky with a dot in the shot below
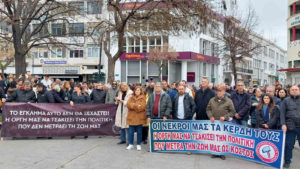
(272, 17)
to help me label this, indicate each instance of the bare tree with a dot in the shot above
(145, 18)
(161, 56)
(29, 21)
(7, 53)
(235, 38)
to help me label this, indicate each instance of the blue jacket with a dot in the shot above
(243, 107)
(172, 94)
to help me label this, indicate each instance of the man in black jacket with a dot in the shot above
(43, 95)
(98, 95)
(290, 121)
(202, 97)
(242, 103)
(183, 105)
(25, 95)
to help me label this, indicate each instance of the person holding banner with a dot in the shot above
(202, 97)
(255, 99)
(290, 121)
(79, 97)
(43, 95)
(136, 117)
(220, 108)
(241, 102)
(183, 105)
(122, 111)
(66, 91)
(267, 113)
(159, 104)
(25, 95)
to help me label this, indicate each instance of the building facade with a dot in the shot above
(198, 55)
(293, 30)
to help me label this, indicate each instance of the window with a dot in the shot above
(58, 53)
(144, 44)
(93, 51)
(76, 53)
(265, 51)
(271, 53)
(265, 65)
(40, 30)
(78, 8)
(296, 63)
(43, 53)
(277, 56)
(94, 7)
(281, 58)
(290, 64)
(58, 29)
(76, 29)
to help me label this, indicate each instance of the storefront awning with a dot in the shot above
(181, 56)
(290, 70)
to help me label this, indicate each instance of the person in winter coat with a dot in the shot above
(79, 97)
(111, 94)
(66, 92)
(136, 117)
(98, 94)
(267, 113)
(159, 105)
(122, 111)
(255, 99)
(55, 92)
(183, 105)
(173, 92)
(290, 121)
(25, 95)
(241, 102)
(12, 84)
(43, 95)
(202, 97)
(220, 108)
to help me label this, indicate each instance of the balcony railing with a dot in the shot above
(238, 69)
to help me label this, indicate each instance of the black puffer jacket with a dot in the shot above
(83, 98)
(57, 98)
(66, 95)
(22, 96)
(290, 112)
(98, 96)
(45, 96)
(202, 97)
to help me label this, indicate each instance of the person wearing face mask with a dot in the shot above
(98, 94)
(111, 94)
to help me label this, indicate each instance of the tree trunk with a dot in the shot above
(20, 64)
(2, 71)
(111, 71)
(234, 70)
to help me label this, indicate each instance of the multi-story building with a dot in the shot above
(198, 55)
(80, 58)
(293, 25)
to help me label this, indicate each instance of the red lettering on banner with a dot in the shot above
(154, 135)
(159, 146)
(177, 136)
(241, 141)
(187, 136)
(174, 146)
(202, 147)
(190, 146)
(215, 148)
(242, 151)
(221, 137)
(205, 136)
(164, 136)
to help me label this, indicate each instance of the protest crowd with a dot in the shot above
(268, 107)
